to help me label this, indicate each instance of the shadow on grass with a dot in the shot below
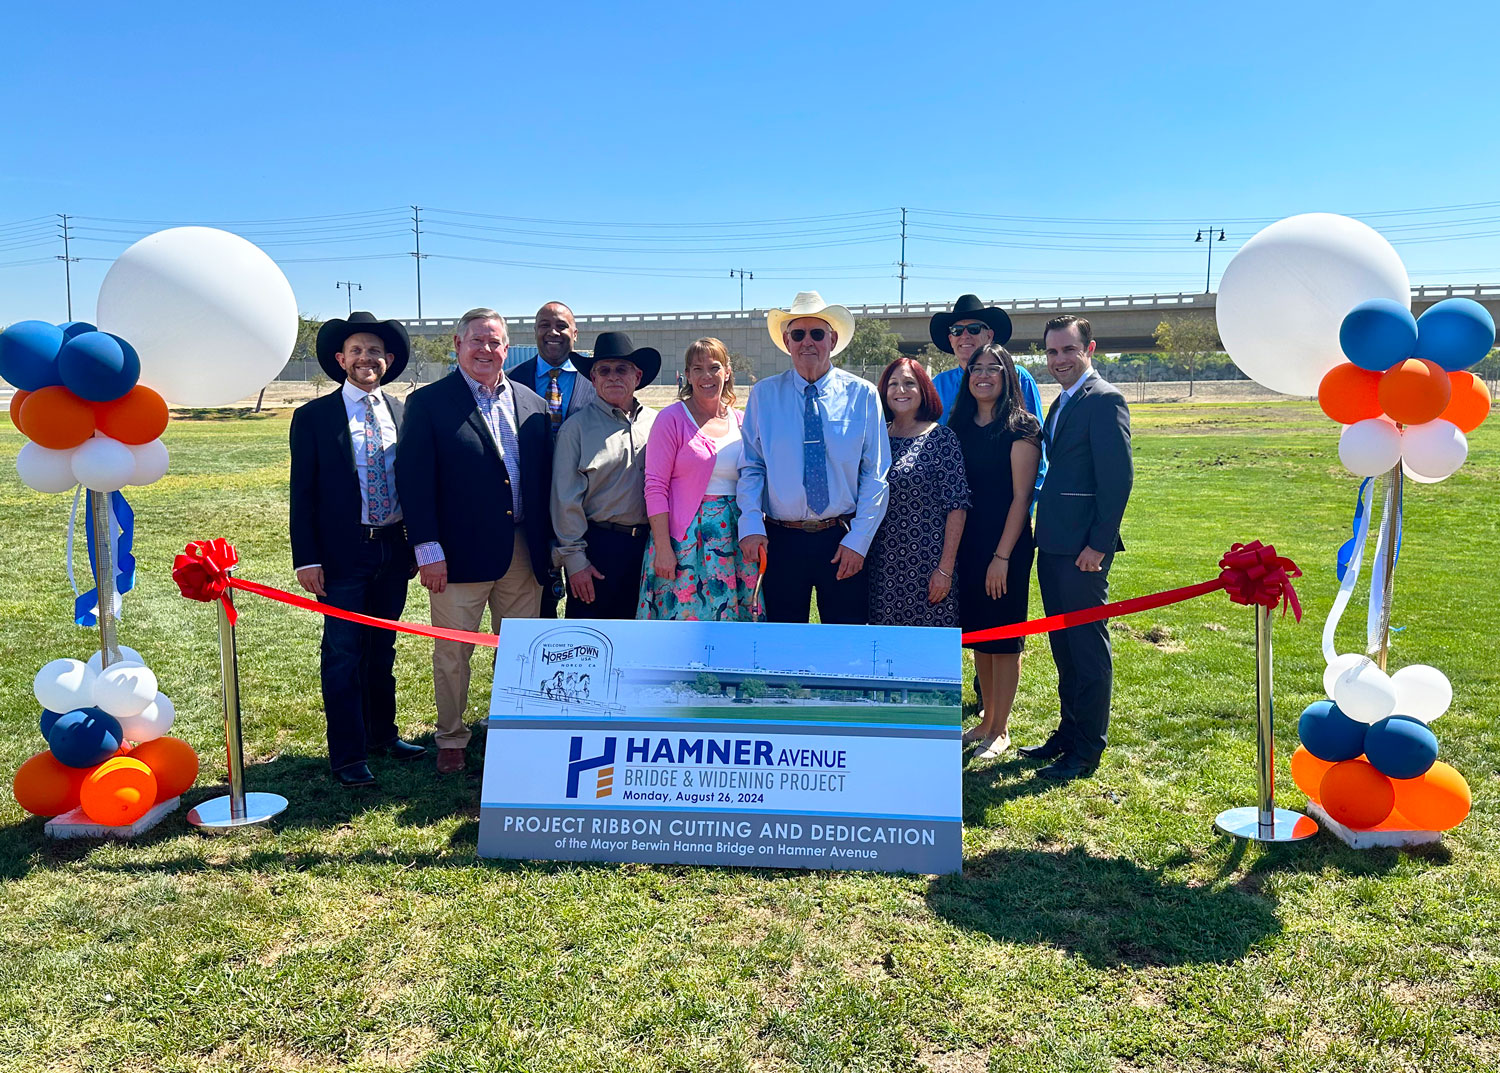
(1109, 911)
(994, 784)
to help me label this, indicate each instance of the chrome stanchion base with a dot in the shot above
(215, 816)
(1244, 822)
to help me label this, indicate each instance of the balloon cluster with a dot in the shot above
(79, 404)
(107, 749)
(1405, 393)
(1368, 756)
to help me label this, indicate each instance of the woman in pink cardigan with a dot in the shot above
(693, 568)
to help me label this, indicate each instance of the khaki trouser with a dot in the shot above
(461, 607)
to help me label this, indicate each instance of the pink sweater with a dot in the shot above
(679, 462)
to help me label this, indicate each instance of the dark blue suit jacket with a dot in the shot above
(1089, 472)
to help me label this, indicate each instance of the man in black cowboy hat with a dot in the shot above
(970, 326)
(348, 542)
(599, 482)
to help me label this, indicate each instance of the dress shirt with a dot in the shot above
(598, 475)
(858, 452)
(1064, 399)
(949, 381)
(497, 409)
(564, 380)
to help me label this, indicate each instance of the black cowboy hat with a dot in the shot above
(969, 307)
(391, 332)
(616, 346)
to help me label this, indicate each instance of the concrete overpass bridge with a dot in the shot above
(1121, 323)
(889, 684)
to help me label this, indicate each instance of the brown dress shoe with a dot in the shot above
(450, 760)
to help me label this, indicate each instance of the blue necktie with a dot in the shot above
(377, 484)
(814, 453)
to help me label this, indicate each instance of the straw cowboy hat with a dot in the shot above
(616, 346)
(811, 304)
(969, 307)
(392, 333)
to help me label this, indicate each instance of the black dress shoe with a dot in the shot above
(1048, 750)
(404, 750)
(1069, 767)
(354, 775)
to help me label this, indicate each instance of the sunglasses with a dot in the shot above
(818, 334)
(956, 330)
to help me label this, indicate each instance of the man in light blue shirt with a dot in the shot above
(812, 486)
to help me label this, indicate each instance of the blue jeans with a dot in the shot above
(359, 683)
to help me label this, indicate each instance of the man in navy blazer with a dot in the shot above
(348, 542)
(1078, 513)
(475, 473)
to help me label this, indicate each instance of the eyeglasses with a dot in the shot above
(986, 370)
(956, 330)
(818, 334)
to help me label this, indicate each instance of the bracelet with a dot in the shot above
(945, 573)
(1002, 558)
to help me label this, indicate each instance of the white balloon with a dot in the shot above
(64, 685)
(1337, 666)
(125, 689)
(1364, 692)
(150, 462)
(1286, 292)
(212, 317)
(127, 655)
(1434, 449)
(1415, 476)
(102, 464)
(1422, 692)
(45, 470)
(152, 722)
(1370, 447)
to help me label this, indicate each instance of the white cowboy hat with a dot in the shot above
(811, 304)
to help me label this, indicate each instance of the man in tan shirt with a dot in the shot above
(598, 482)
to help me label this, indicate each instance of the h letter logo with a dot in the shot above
(577, 764)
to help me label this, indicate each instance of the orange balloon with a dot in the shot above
(1349, 393)
(55, 417)
(138, 416)
(1356, 795)
(118, 791)
(1470, 403)
(15, 406)
(1436, 801)
(1308, 772)
(45, 786)
(172, 761)
(1414, 391)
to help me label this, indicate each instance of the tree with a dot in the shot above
(1189, 337)
(753, 688)
(431, 349)
(707, 683)
(874, 346)
(936, 360)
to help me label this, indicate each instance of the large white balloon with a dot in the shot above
(1285, 293)
(1365, 693)
(1415, 476)
(124, 689)
(127, 655)
(1435, 449)
(102, 464)
(45, 470)
(1337, 666)
(64, 685)
(212, 317)
(1422, 692)
(1370, 447)
(151, 722)
(150, 462)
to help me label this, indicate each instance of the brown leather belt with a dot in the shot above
(816, 526)
(628, 530)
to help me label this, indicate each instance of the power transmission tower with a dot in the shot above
(67, 259)
(902, 263)
(416, 228)
(351, 288)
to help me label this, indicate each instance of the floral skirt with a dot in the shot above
(713, 582)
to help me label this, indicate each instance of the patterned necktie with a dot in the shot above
(377, 484)
(554, 399)
(814, 453)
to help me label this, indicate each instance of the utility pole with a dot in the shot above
(708, 659)
(416, 228)
(67, 259)
(351, 288)
(743, 275)
(902, 263)
(875, 659)
(1208, 276)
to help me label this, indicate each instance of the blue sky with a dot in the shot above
(614, 153)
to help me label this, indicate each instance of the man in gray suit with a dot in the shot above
(1078, 513)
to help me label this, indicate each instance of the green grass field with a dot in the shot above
(1100, 925)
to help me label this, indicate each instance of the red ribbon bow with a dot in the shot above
(201, 571)
(1254, 574)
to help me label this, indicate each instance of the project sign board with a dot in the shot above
(725, 743)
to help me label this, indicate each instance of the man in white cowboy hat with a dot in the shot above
(812, 487)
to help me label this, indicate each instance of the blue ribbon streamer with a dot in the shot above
(1346, 550)
(122, 517)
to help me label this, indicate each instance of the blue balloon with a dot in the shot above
(1455, 333)
(1401, 747)
(85, 737)
(1329, 734)
(28, 354)
(71, 328)
(98, 366)
(1378, 333)
(48, 718)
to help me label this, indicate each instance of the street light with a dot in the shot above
(743, 275)
(346, 285)
(1210, 240)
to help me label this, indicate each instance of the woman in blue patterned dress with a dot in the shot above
(911, 560)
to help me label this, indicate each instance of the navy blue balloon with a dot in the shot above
(98, 366)
(1401, 747)
(48, 718)
(1329, 734)
(1455, 333)
(71, 328)
(1378, 333)
(85, 737)
(28, 354)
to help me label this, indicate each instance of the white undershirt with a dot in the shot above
(726, 475)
